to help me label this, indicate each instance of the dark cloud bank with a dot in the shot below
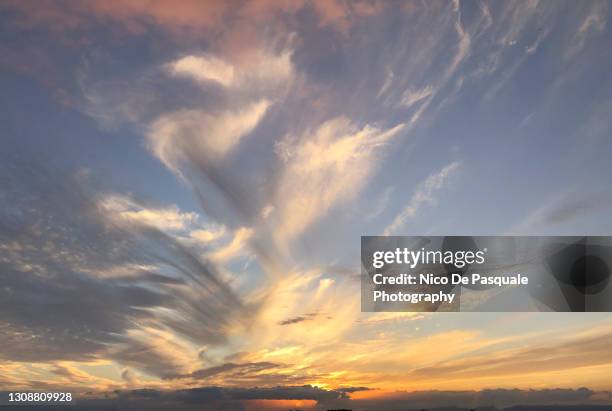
(232, 399)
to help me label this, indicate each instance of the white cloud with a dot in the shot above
(266, 211)
(411, 96)
(165, 218)
(428, 93)
(324, 168)
(423, 196)
(260, 69)
(236, 247)
(203, 69)
(187, 226)
(176, 136)
(194, 135)
(208, 235)
(387, 83)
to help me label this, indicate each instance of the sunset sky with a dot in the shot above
(184, 185)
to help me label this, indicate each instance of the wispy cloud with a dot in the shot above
(423, 196)
(263, 70)
(178, 137)
(164, 218)
(54, 262)
(562, 211)
(325, 167)
(594, 23)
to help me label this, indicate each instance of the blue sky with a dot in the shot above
(257, 141)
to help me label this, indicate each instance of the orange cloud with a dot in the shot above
(135, 15)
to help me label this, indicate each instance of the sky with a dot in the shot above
(184, 187)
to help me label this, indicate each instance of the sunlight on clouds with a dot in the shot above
(324, 168)
(535, 357)
(312, 300)
(278, 405)
(164, 218)
(66, 375)
(174, 354)
(238, 246)
(187, 226)
(373, 318)
(324, 285)
(259, 68)
(203, 68)
(208, 235)
(382, 361)
(175, 137)
(120, 271)
(386, 360)
(71, 375)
